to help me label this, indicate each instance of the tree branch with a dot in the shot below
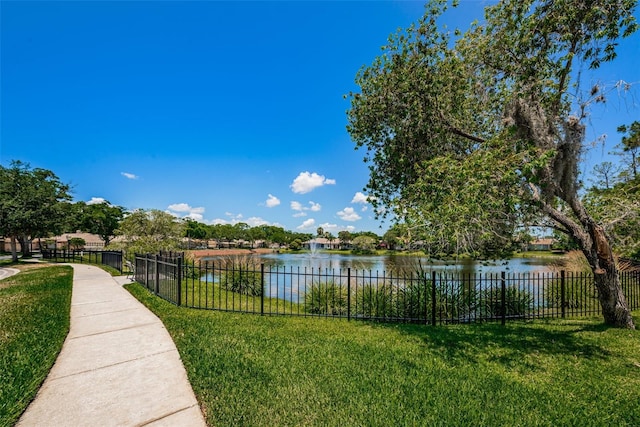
(458, 131)
(573, 229)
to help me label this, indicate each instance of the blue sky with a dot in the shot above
(222, 111)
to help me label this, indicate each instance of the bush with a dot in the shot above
(295, 245)
(578, 294)
(76, 243)
(243, 280)
(376, 301)
(240, 274)
(326, 298)
(517, 302)
(453, 301)
(414, 300)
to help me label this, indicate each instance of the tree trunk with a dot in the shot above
(595, 246)
(24, 246)
(14, 249)
(615, 309)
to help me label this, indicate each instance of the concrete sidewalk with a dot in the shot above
(118, 365)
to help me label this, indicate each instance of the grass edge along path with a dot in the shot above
(34, 322)
(289, 371)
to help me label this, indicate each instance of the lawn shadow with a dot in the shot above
(507, 344)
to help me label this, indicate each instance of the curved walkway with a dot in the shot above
(118, 365)
(7, 272)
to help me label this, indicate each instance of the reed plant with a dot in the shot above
(328, 298)
(241, 274)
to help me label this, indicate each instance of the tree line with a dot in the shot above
(36, 204)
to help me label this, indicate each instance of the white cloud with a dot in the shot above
(360, 197)
(96, 201)
(183, 210)
(234, 217)
(299, 214)
(297, 206)
(179, 207)
(308, 224)
(306, 182)
(255, 221)
(330, 228)
(195, 216)
(129, 175)
(272, 201)
(348, 214)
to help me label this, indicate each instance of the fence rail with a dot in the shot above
(420, 296)
(110, 258)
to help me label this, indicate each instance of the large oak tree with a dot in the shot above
(32, 204)
(471, 135)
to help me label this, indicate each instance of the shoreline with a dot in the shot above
(204, 253)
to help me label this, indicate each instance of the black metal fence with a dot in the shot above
(161, 274)
(420, 296)
(110, 258)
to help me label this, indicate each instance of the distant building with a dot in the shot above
(92, 242)
(545, 244)
(322, 243)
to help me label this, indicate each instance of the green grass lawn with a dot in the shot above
(34, 321)
(289, 371)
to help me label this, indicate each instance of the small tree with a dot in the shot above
(615, 201)
(76, 243)
(364, 244)
(102, 219)
(345, 238)
(150, 231)
(629, 148)
(295, 245)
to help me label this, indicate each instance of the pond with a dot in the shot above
(405, 264)
(291, 276)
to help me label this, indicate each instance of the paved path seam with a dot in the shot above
(109, 366)
(168, 415)
(79, 337)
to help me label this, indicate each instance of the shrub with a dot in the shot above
(454, 301)
(579, 293)
(326, 298)
(242, 280)
(241, 274)
(376, 301)
(76, 243)
(517, 302)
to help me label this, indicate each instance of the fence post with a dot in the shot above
(146, 271)
(349, 293)
(157, 283)
(179, 281)
(503, 297)
(262, 286)
(563, 298)
(433, 298)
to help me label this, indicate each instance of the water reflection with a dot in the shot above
(289, 276)
(402, 264)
